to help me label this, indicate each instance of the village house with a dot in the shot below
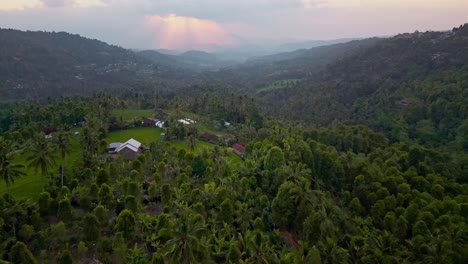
(129, 150)
(152, 122)
(239, 149)
(187, 121)
(113, 146)
(404, 102)
(207, 137)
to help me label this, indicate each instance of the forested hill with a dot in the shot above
(258, 72)
(406, 56)
(411, 85)
(42, 64)
(192, 61)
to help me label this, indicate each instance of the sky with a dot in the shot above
(212, 24)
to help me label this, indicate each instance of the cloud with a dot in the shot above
(57, 3)
(184, 33)
(15, 5)
(89, 3)
(153, 23)
(21, 5)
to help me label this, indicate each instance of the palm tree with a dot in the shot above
(9, 170)
(304, 254)
(259, 248)
(41, 155)
(192, 141)
(186, 245)
(62, 140)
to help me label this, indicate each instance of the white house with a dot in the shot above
(129, 149)
(187, 121)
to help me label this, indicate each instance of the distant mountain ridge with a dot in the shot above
(36, 64)
(308, 44)
(422, 68)
(193, 60)
(42, 64)
(260, 71)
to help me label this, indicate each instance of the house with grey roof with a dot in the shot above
(129, 150)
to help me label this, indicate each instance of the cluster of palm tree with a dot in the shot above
(41, 154)
(8, 168)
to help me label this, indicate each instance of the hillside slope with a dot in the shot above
(411, 85)
(41, 64)
(258, 72)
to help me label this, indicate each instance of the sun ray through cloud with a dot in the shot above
(181, 32)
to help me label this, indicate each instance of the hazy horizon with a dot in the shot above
(210, 25)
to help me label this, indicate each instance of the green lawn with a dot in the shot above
(144, 135)
(131, 114)
(235, 158)
(185, 145)
(29, 186)
(26, 187)
(203, 145)
(278, 85)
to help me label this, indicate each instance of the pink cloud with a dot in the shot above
(183, 33)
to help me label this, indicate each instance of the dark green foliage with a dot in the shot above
(274, 159)
(102, 215)
(125, 223)
(283, 206)
(234, 254)
(105, 196)
(20, 254)
(131, 203)
(157, 258)
(43, 202)
(166, 194)
(65, 257)
(90, 228)
(102, 177)
(65, 210)
(226, 211)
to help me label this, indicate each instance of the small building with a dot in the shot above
(113, 146)
(149, 121)
(187, 121)
(129, 150)
(152, 122)
(50, 130)
(239, 149)
(159, 124)
(207, 137)
(404, 102)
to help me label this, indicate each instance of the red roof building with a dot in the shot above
(209, 137)
(239, 149)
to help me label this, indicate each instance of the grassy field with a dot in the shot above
(144, 135)
(203, 145)
(29, 186)
(185, 145)
(279, 85)
(131, 114)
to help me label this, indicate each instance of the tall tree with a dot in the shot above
(20, 253)
(8, 169)
(186, 245)
(62, 140)
(42, 155)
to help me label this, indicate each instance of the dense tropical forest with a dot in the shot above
(348, 153)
